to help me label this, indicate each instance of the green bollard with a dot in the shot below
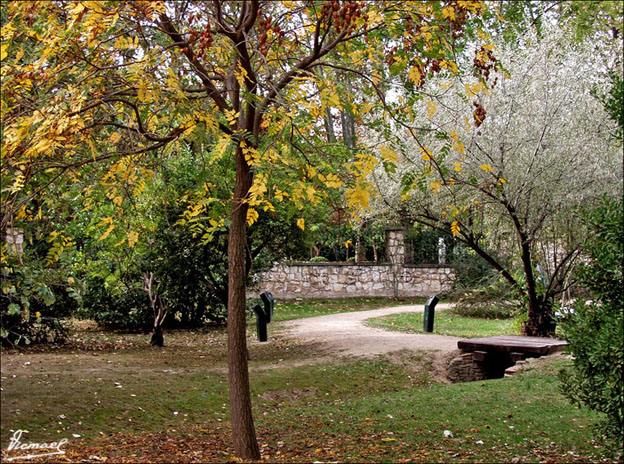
(429, 313)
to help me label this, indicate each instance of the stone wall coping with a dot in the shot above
(334, 263)
(365, 263)
(429, 266)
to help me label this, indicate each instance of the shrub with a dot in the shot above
(594, 330)
(34, 296)
(127, 309)
(490, 299)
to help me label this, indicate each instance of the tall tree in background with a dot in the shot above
(110, 82)
(509, 187)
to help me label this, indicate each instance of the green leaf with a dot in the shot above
(14, 309)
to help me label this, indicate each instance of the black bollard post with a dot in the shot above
(261, 323)
(269, 304)
(429, 313)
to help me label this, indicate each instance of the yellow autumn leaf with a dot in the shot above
(486, 167)
(3, 51)
(221, 146)
(334, 100)
(106, 220)
(252, 216)
(301, 223)
(142, 92)
(455, 229)
(366, 107)
(133, 237)
(458, 167)
(333, 181)
(415, 75)
(482, 34)
(388, 154)
(459, 147)
(449, 12)
(114, 137)
(231, 116)
(311, 171)
(376, 76)
(358, 198)
(431, 108)
(435, 186)
(310, 192)
(107, 233)
(425, 154)
(241, 75)
(280, 195)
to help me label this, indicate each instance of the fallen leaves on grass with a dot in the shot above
(212, 444)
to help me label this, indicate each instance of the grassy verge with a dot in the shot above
(350, 410)
(445, 323)
(115, 398)
(297, 309)
(493, 421)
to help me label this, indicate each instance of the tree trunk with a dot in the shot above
(348, 128)
(157, 308)
(375, 253)
(157, 337)
(347, 119)
(541, 322)
(243, 431)
(328, 119)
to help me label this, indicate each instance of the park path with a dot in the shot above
(346, 333)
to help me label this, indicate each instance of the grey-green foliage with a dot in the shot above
(595, 331)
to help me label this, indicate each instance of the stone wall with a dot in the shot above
(465, 369)
(340, 280)
(343, 280)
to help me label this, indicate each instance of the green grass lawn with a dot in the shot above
(297, 309)
(117, 398)
(446, 323)
(346, 410)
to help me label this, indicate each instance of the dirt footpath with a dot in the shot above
(347, 335)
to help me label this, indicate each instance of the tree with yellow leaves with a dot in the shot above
(109, 82)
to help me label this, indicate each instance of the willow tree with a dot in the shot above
(109, 82)
(504, 170)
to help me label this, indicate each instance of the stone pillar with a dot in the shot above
(395, 245)
(395, 254)
(15, 239)
(360, 255)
